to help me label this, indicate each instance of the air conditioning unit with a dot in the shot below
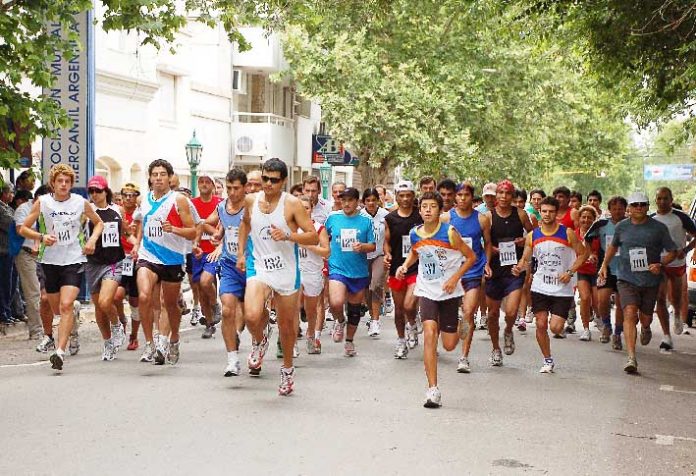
(249, 145)
(239, 81)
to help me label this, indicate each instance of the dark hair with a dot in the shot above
(617, 199)
(661, 189)
(109, 195)
(447, 184)
(677, 206)
(370, 192)
(161, 163)
(576, 194)
(538, 191)
(311, 179)
(562, 190)
(44, 189)
(236, 174)
(432, 196)
(594, 193)
(468, 186)
(424, 180)
(477, 198)
(296, 188)
(23, 195)
(24, 176)
(520, 193)
(275, 165)
(550, 201)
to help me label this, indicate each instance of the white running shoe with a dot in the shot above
(547, 368)
(74, 344)
(411, 336)
(47, 344)
(108, 350)
(509, 346)
(401, 349)
(483, 322)
(463, 365)
(233, 368)
(433, 398)
(586, 335)
(375, 328)
(349, 349)
(529, 316)
(161, 349)
(173, 352)
(148, 354)
(295, 351)
(338, 331)
(118, 336)
(678, 325)
(496, 359)
(419, 323)
(287, 381)
(195, 315)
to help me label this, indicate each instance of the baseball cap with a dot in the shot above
(490, 189)
(637, 197)
(404, 186)
(208, 176)
(351, 192)
(130, 187)
(98, 182)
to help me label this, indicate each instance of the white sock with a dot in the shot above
(135, 314)
(317, 334)
(233, 355)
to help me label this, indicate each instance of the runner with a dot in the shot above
(219, 189)
(640, 240)
(166, 225)
(508, 225)
(594, 199)
(587, 272)
(532, 208)
(566, 215)
(352, 238)
(443, 258)
(680, 226)
(447, 189)
(426, 184)
(475, 229)
(375, 260)
(488, 195)
(558, 254)
(397, 246)
(311, 187)
(520, 201)
(63, 248)
(271, 225)
(575, 200)
(254, 183)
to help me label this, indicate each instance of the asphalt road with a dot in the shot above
(350, 416)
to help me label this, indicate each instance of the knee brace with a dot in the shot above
(353, 314)
(135, 314)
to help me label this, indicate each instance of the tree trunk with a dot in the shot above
(371, 176)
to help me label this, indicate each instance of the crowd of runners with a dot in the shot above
(446, 258)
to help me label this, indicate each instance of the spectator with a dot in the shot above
(7, 281)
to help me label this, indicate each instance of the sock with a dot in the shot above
(618, 329)
(548, 360)
(317, 334)
(233, 355)
(135, 314)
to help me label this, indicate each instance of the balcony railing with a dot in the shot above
(263, 118)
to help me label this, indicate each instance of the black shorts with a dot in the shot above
(130, 284)
(644, 298)
(498, 288)
(445, 313)
(590, 278)
(41, 276)
(556, 305)
(168, 273)
(610, 283)
(58, 276)
(471, 283)
(189, 263)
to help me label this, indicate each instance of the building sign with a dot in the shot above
(669, 171)
(73, 90)
(325, 147)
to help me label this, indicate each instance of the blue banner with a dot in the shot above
(669, 171)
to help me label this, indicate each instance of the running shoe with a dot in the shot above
(586, 335)
(521, 324)
(108, 350)
(374, 329)
(401, 349)
(570, 328)
(463, 365)
(295, 351)
(195, 315)
(148, 354)
(74, 344)
(496, 359)
(570, 322)
(529, 316)
(338, 331)
(132, 343)
(349, 349)
(46, 344)
(509, 346)
(411, 336)
(631, 366)
(562, 335)
(547, 368)
(57, 358)
(272, 316)
(233, 368)
(118, 336)
(666, 345)
(312, 347)
(208, 332)
(616, 342)
(287, 381)
(433, 398)
(645, 335)
(678, 326)
(483, 322)
(606, 334)
(183, 307)
(217, 312)
(173, 352)
(258, 351)
(161, 350)
(388, 304)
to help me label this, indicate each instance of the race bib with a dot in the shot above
(349, 237)
(430, 267)
(639, 259)
(109, 237)
(508, 253)
(405, 245)
(127, 266)
(609, 239)
(273, 262)
(303, 253)
(232, 240)
(468, 241)
(206, 237)
(154, 229)
(65, 234)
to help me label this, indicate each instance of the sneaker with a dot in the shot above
(483, 322)
(645, 335)
(312, 347)
(586, 335)
(295, 351)
(606, 334)
(570, 328)
(161, 350)
(678, 326)
(195, 316)
(631, 366)
(108, 350)
(208, 332)
(401, 350)
(258, 351)
(338, 331)
(411, 336)
(562, 335)
(287, 381)
(547, 368)
(666, 344)
(388, 304)
(509, 346)
(217, 313)
(463, 365)
(521, 324)
(616, 342)
(570, 323)
(118, 336)
(173, 352)
(183, 307)
(433, 398)
(529, 316)
(46, 344)
(74, 344)
(132, 343)
(233, 368)
(272, 316)
(148, 354)
(419, 324)
(349, 349)
(57, 358)
(496, 359)
(374, 329)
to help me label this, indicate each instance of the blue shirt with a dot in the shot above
(472, 234)
(343, 232)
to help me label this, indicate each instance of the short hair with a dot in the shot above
(432, 196)
(338, 182)
(309, 179)
(665, 189)
(563, 190)
(466, 186)
(576, 194)
(550, 201)
(426, 179)
(447, 184)
(588, 208)
(274, 164)
(44, 189)
(595, 193)
(537, 191)
(23, 195)
(617, 200)
(61, 169)
(160, 163)
(305, 198)
(520, 193)
(236, 174)
(370, 192)
(296, 188)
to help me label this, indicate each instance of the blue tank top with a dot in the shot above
(471, 232)
(231, 225)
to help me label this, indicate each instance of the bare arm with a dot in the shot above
(322, 249)
(521, 265)
(244, 228)
(387, 246)
(581, 252)
(96, 232)
(304, 223)
(485, 223)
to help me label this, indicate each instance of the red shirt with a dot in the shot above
(567, 219)
(127, 220)
(589, 267)
(204, 210)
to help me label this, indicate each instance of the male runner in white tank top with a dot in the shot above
(272, 265)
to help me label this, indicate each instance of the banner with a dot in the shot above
(326, 147)
(73, 90)
(669, 171)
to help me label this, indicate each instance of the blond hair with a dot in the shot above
(61, 169)
(589, 209)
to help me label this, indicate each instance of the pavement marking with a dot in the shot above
(667, 440)
(33, 364)
(670, 388)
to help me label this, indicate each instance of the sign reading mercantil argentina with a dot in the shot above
(71, 90)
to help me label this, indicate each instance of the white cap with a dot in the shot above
(404, 186)
(637, 197)
(490, 188)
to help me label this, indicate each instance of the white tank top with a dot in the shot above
(64, 221)
(554, 255)
(311, 262)
(276, 263)
(160, 247)
(438, 261)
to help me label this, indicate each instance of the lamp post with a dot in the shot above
(325, 176)
(194, 150)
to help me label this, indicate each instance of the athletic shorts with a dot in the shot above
(97, 272)
(498, 288)
(644, 298)
(189, 263)
(556, 305)
(312, 283)
(471, 283)
(130, 284)
(168, 273)
(445, 313)
(198, 265)
(354, 285)
(674, 271)
(401, 285)
(232, 280)
(590, 278)
(610, 283)
(58, 276)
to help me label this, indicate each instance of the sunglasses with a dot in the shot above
(94, 190)
(639, 204)
(273, 180)
(129, 195)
